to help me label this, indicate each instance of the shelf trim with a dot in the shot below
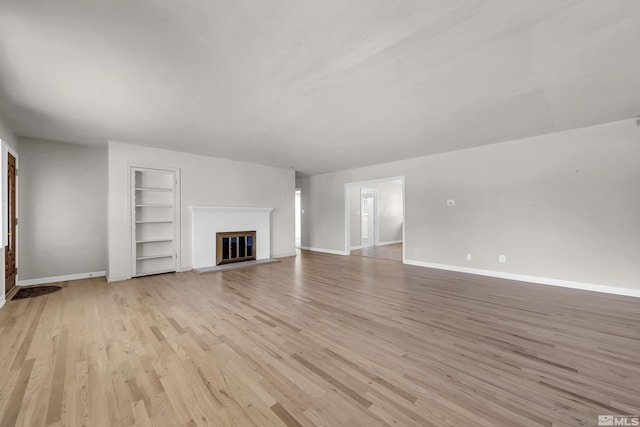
(154, 206)
(154, 221)
(168, 190)
(155, 240)
(142, 258)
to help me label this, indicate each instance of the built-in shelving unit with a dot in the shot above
(154, 227)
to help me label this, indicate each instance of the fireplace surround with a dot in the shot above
(207, 221)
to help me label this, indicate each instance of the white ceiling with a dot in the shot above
(320, 85)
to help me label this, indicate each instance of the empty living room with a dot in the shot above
(320, 213)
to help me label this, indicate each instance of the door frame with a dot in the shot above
(297, 220)
(7, 149)
(347, 213)
(373, 214)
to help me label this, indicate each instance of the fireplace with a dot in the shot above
(235, 246)
(207, 221)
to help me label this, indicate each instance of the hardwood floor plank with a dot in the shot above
(12, 410)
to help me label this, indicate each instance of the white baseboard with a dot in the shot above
(284, 255)
(391, 242)
(185, 269)
(324, 251)
(65, 278)
(616, 290)
(2, 301)
(117, 278)
(355, 248)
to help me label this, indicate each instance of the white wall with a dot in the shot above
(562, 206)
(204, 181)
(63, 209)
(355, 217)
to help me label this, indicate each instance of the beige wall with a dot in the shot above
(204, 181)
(63, 209)
(562, 206)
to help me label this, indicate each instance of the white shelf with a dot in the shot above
(153, 189)
(154, 221)
(154, 257)
(169, 239)
(154, 206)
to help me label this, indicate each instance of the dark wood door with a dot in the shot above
(10, 250)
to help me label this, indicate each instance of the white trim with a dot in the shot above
(324, 251)
(391, 242)
(228, 209)
(65, 278)
(347, 222)
(616, 290)
(372, 181)
(285, 255)
(374, 215)
(355, 248)
(3, 300)
(117, 278)
(185, 269)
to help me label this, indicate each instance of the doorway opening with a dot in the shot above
(10, 217)
(368, 217)
(298, 219)
(374, 218)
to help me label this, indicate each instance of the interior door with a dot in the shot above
(10, 249)
(368, 219)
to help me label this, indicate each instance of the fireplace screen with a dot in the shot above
(235, 246)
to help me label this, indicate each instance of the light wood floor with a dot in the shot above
(318, 340)
(388, 252)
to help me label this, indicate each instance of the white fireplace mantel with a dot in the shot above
(209, 220)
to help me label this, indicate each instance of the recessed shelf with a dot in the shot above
(154, 257)
(153, 189)
(154, 203)
(169, 239)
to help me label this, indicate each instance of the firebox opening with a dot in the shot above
(235, 246)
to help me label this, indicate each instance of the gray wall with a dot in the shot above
(561, 206)
(7, 135)
(62, 209)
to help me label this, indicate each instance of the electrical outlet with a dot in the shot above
(468, 257)
(451, 202)
(417, 251)
(502, 259)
